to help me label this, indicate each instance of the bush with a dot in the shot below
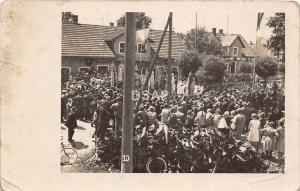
(246, 68)
(265, 68)
(189, 61)
(214, 69)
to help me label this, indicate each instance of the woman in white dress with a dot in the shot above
(280, 138)
(269, 139)
(254, 131)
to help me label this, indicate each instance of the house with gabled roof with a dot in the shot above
(235, 50)
(86, 46)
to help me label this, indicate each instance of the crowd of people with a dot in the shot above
(256, 116)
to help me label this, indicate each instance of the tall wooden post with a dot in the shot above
(153, 62)
(196, 32)
(127, 122)
(170, 59)
(254, 63)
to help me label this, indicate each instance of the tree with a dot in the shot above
(189, 62)
(277, 40)
(206, 42)
(68, 17)
(142, 21)
(265, 68)
(246, 68)
(214, 68)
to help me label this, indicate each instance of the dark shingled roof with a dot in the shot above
(177, 43)
(86, 40)
(90, 40)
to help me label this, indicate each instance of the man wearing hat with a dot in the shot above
(201, 117)
(103, 115)
(141, 117)
(69, 105)
(71, 123)
(238, 123)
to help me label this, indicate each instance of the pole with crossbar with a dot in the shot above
(170, 60)
(152, 64)
(254, 64)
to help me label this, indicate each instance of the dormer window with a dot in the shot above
(122, 47)
(141, 48)
(235, 51)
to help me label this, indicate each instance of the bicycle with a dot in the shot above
(68, 155)
(149, 159)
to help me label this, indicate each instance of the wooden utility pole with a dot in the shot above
(254, 63)
(170, 59)
(127, 121)
(196, 32)
(227, 24)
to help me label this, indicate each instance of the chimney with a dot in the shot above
(221, 31)
(75, 19)
(214, 31)
(111, 24)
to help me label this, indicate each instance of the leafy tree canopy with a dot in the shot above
(206, 42)
(214, 68)
(189, 61)
(142, 21)
(277, 40)
(265, 68)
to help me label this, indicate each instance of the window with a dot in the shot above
(65, 71)
(141, 48)
(122, 47)
(103, 69)
(84, 69)
(235, 51)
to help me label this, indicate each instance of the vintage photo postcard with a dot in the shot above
(181, 95)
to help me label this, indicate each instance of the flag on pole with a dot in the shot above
(259, 18)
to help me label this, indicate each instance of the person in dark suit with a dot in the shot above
(71, 123)
(104, 114)
(63, 107)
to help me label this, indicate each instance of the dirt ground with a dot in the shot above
(84, 145)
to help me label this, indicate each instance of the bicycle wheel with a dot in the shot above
(68, 156)
(156, 165)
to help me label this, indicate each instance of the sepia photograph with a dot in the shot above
(147, 93)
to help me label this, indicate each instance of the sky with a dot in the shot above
(240, 19)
